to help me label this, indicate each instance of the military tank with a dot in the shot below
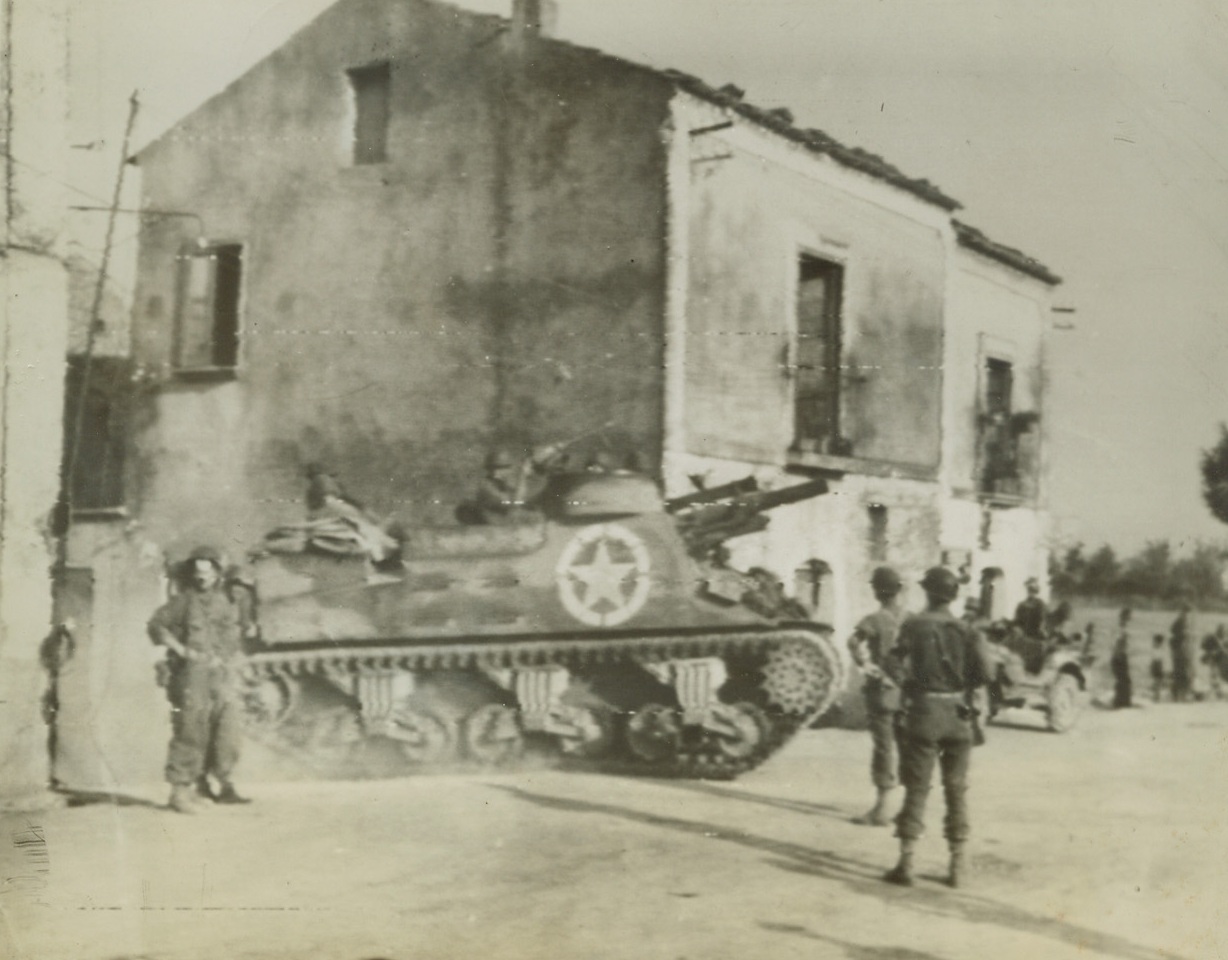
(585, 630)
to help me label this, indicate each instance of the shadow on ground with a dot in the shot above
(854, 951)
(732, 793)
(85, 798)
(865, 879)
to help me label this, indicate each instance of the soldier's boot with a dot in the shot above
(204, 790)
(957, 869)
(227, 794)
(182, 799)
(876, 816)
(901, 873)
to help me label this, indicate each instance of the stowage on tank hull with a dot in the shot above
(579, 632)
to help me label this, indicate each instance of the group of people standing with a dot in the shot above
(1178, 678)
(924, 672)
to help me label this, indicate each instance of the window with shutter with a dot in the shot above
(207, 321)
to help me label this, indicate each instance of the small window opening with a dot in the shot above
(877, 513)
(808, 585)
(370, 88)
(990, 601)
(207, 328)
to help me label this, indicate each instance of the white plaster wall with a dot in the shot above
(33, 342)
(33, 339)
(755, 202)
(834, 528)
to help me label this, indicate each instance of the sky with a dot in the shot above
(1092, 134)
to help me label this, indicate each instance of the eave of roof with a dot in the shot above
(974, 239)
(778, 121)
(781, 122)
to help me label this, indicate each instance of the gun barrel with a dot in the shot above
(793, 494)
(711, 494)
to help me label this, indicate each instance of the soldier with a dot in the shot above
(506, 490)
(1214, 651)
(201, 627)
(327, 500)
(939, 663)
(1031, 614)
(870, 642)
(1182, 667)
(1157, 667)
(1123, 685)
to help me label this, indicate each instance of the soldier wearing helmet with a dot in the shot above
(873, 637)
(202, 629)
(507, 490)
(1031, 614)
(939, 664)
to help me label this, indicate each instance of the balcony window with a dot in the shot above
(816, 398)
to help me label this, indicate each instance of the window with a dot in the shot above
(877, 514)
(999, 443)
(97, 482)
(370, 89)
(999, 384)
(810, 587)
(817, 388)
(207, 322)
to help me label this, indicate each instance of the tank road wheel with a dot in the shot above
(268, 700)
(493, 734)
(745, 729)
(798, 678)
(422, 737)
(653, 733)
(1064, 705)
(597, 734)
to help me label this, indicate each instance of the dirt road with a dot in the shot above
(1108, 841)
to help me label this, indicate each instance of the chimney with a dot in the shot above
(533, 18)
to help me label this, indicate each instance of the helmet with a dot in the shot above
(207, 554)
(885, 580)
(941, 584)
(499, 460)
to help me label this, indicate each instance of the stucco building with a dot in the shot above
(415, 233)
(33, 342)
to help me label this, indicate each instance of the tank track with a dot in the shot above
(798, 671)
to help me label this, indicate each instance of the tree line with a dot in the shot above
(1151, 577)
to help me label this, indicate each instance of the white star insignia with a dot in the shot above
(602, 577)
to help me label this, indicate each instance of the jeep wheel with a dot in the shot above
(1064, 703)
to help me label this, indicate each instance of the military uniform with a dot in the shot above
(939, 662)
(1030, 617)
(203, 685)
(1182, 665)
(1119, 664)
(872, 639)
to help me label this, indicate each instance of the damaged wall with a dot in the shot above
(755, 205)
(33, 344)
(512, 243)
(498, 280)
